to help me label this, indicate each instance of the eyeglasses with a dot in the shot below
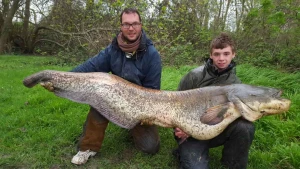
(134, 25)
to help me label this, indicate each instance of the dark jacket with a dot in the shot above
(208, 75)
(143, 69)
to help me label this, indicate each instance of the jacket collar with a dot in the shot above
(214, 70)
(143, 43)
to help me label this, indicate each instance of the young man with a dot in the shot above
(237, 137)
(132, 56)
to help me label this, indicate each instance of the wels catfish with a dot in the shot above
(202, 113)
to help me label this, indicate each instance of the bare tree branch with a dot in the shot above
(78, 33)
(48, 40)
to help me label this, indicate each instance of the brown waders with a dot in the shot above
(146, 138)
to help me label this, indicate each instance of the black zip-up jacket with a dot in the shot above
(208, 75)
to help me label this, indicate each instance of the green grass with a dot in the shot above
(40, 130)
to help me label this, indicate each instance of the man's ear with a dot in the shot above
(233, 56)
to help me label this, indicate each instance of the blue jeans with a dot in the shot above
(236, 138)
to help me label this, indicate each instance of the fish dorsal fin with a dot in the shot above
(214, 115)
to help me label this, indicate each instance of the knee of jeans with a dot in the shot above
(245, 127)
(193, 163)
(149, 148)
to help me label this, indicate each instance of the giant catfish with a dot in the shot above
(202, 113)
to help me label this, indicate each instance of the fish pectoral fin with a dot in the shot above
(214, 115)
(48, 85)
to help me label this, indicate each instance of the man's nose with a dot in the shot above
(222, 57)
(130, 27)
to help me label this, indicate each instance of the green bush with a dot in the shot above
(179, 55)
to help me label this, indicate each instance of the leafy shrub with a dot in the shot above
(72, 57)
(183, 55)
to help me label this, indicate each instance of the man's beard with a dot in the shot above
(130, 41)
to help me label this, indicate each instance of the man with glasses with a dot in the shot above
(132, 56)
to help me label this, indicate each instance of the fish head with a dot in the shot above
(255, 101)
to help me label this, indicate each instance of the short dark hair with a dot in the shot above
(128, 11)
(222, 41)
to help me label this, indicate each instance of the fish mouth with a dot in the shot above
(275, 107)
(272, 104)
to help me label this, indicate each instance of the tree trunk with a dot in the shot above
(240, 16)
(207, 16)
(219, 17)
(225, 15)
(3, 13)
(25, 27)
(1, 20)
(7, 26)
(5, 4)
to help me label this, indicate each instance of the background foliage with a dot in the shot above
(267, 32)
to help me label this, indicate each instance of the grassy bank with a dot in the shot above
(40, 130)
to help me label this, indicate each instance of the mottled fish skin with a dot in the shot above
(127, 104)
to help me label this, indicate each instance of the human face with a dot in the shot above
(222, 57)
(132, 33)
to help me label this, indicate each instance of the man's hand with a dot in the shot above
(180, 134)
(48, 86)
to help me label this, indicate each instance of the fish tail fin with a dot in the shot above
(34, 79)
